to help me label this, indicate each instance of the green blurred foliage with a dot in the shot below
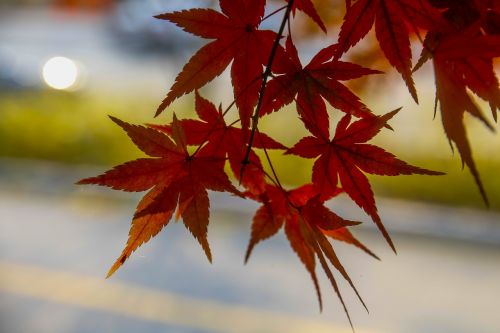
(74, 128)
(69, 127)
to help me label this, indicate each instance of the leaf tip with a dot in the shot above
(158, 111)
(164, 16)
(393, 112)
(124, 125)
(164, 104)
(116, 265)
(375, 217)
(248, 253)
(81, 182)
(87, 181)
(206, 248)
(117, 121)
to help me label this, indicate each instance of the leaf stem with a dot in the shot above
(266, 75)
(270, 163)
(271, 14)
(242, 92)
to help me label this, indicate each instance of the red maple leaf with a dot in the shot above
(307, 7)
(178, 180)
(226, 140)
(237, 39)
(463, 62)
(462, 14)
(391, 19)
(317, 81)
(344, 158)
(307, 222)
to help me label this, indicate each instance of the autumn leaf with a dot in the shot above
(269, 218)
(306, 222)
(237, 40)
(459, 13)
(391, 19)
(462, 63)
(345, 158)
(462, 50)
(226, 140)
(454, 100)
(312, 84)
(178, 180)
(307, 7)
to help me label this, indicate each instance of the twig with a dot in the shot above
(266, 75)
(271, 14)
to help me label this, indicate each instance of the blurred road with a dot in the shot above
(56, 246)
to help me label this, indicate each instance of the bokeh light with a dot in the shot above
(60, 73)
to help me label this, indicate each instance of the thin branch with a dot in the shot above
(270, 177)
(270, 163)
(234, 122)
(242, 92)
(267, 74)
(275, 12)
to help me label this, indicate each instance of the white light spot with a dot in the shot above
(60, 73)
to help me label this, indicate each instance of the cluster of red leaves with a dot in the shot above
(462, 46)
(462, 39)
(188, 156)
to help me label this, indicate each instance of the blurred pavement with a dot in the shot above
(56, 246)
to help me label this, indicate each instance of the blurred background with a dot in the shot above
(65, 65)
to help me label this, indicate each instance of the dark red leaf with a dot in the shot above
(237, 39)
(342, 160)
(178, 178)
